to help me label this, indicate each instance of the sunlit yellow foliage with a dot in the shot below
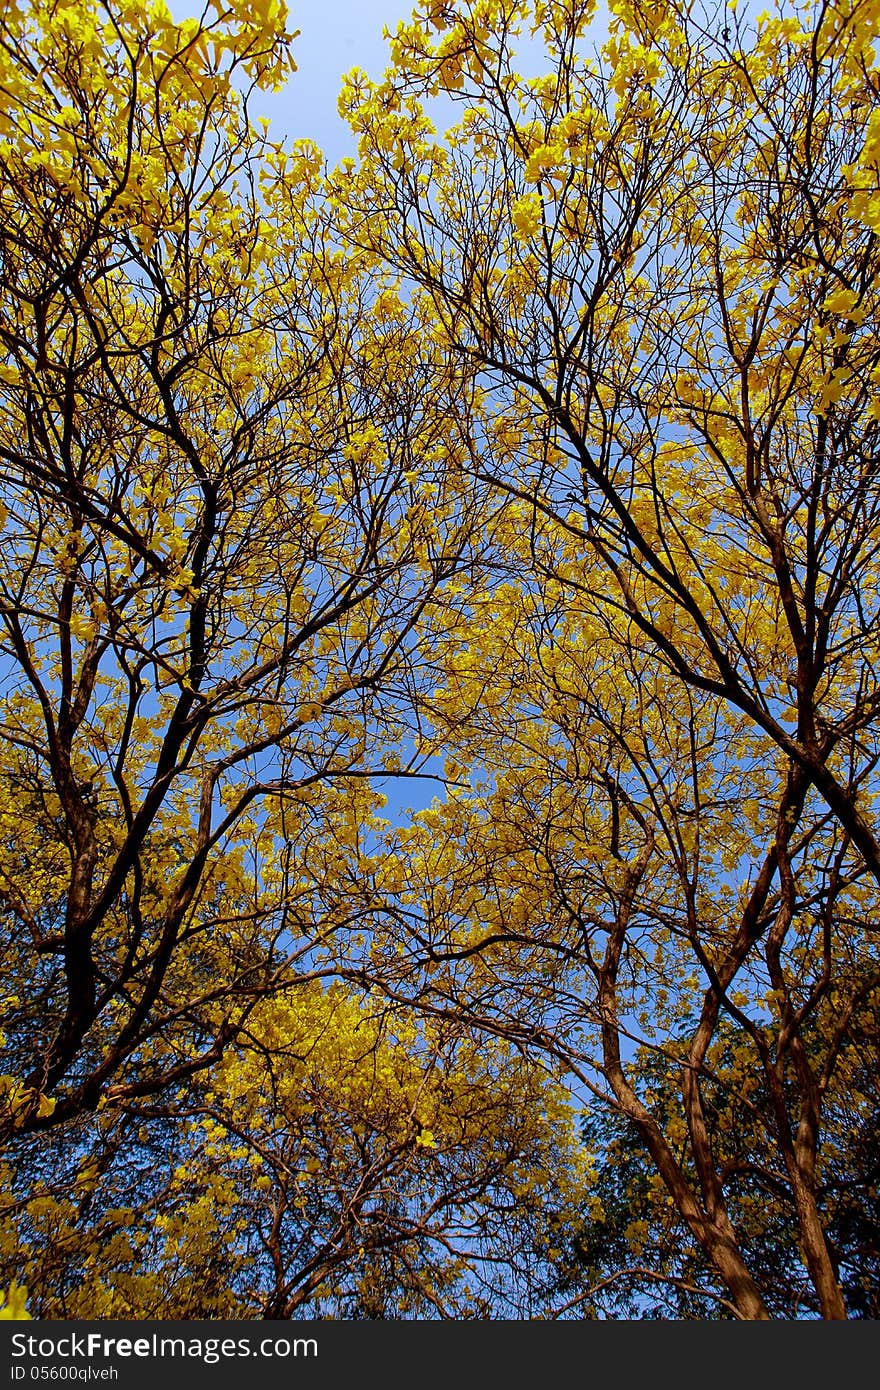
(538, 457)
(659, 266)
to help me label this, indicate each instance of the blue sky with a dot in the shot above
(335, 36)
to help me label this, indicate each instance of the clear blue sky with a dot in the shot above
(335, 36)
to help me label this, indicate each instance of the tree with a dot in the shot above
(216, 548)
(628, 1208)
(550, 446)
(660, 271)
(334, 1164)
(225, 509)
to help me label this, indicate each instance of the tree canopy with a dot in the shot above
(538, 457)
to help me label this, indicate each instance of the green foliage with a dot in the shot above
(633, 1225)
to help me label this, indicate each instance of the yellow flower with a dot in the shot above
(527, 214)
(543, 158)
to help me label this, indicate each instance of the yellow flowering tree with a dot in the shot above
(226, 505)
(551, 446)
(223, 511)
(657, 261)
(336, 1163)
